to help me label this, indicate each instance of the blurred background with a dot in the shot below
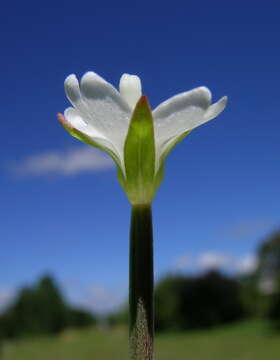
(65, 219)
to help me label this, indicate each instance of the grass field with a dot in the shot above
(244, 341)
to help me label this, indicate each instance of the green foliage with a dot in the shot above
(41, 309)
(78, 318)
(273, 312)
(184, 303)
(255, 303)
(170, 303)
(269, 257)
(268, 273)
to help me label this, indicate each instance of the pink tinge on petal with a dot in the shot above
(63, 121)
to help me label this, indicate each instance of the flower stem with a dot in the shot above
(141, 283)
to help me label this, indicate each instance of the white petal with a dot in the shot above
(101, 106)
(75, 119)
(130, 89)
(73, 92)
(180, 113)
(215, 109)
(72, 88)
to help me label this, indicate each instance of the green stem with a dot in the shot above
(141, 283)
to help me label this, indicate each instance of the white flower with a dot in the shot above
(101, 115)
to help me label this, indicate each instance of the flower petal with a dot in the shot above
(77, 122)
(180, 113)
(72, 89)
(130, 89)
(101, 106)
(177, 116)
(77, 127)
(215, 109)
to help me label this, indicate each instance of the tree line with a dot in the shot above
(182, 302)
(185, 302)
(41, 309)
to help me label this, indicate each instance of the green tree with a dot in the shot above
(169, 303)
(49, 306)
(269, 264)
(187, 303)
(41, 309)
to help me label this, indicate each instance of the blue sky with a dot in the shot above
(220, 195)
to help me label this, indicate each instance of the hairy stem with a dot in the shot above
(141, 284)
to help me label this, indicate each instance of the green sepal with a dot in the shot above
(139, 155)
(171, 143)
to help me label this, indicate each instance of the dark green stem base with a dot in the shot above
(141, 283)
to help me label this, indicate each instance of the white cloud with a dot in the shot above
(68, 162)
(213, 260)
(247, 264)
(6, 296)
(104, 300)
(182, 262)
(98, 298)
